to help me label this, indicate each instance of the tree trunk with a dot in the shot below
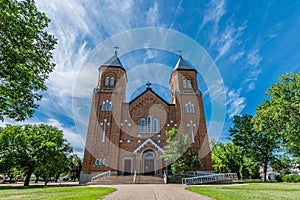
(27, 178)
(46, 179)
(265, 170)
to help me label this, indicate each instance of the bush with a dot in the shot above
(279, 178)
(290, 178)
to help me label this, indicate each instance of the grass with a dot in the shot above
(53, 193)
(255, 191)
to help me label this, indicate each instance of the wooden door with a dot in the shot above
(149, 167)
(127, 167)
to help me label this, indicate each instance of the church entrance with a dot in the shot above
(149, 162)
(127, 167)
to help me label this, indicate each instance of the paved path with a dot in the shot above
(153, 191)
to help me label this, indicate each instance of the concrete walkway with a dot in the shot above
(153, 192)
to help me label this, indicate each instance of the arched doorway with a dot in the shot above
(149, 162)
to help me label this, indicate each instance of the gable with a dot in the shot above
(148, 141)
(149, 93)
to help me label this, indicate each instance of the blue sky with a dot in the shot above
(251, 44)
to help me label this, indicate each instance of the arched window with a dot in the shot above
(142, 125)
(110, 106)
(100, 162)
(155, 125)
(187, 108)
(112, 81)
(106, 106)
(189, 84)
(192, 108)
(96, 162)
(106, 81)
(184, 83)
(149, 124)
(103, 106)
(104, 162)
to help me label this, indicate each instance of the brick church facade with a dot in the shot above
(125, 137)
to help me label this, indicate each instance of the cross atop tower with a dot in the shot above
(148, 84)
(179, 51)
(116, 47)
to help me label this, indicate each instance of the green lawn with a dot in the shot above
(40, 192)
(250, 191)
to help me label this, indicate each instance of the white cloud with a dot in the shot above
(254, 58)
(237, 56)
(153, 15)
(228, 39)
(216, 9)
(217, 91)
(235, 102)
(73, 138)
(253, 67)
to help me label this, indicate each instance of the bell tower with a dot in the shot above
(190, 110)
(103, 130)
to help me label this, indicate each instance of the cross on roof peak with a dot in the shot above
(116, 49)
(179, 51)
(148, 84)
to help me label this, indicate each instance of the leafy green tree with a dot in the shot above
(258, 145)
(25, 57)
(229, 158)
(282, 111)
(177, 153)
(75, 167)
(33, 147)
(281, 163)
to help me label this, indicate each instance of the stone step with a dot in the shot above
(118, 180)
(149, 180)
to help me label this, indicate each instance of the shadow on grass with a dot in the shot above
(21, 187)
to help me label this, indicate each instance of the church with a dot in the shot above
(127, 137)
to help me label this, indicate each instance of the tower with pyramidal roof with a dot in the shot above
(125, 137)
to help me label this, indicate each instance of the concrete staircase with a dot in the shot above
(149, 180)
(119, 180)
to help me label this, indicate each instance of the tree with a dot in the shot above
(178, 154)
(33, 147)
(25, 57)
(283, 110)
(259, 145)
(229, 158)
(75, 167)
(281, 163)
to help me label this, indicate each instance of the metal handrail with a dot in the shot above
(165, 177)
(101, 176)
(134, 177)
(209, 178)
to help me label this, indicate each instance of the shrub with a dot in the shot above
(279, 178)
(290, 178)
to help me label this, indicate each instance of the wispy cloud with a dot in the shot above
(237, 56)
(216, 9)
(235, 103)
(153, 15)
(254, 69)
(230, 37)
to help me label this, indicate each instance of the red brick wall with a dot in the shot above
(124, 121)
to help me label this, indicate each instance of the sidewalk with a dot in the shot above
(153, 192)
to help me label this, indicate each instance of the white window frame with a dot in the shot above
(149, 124)
(107, 81)
(189, 84)
(155, 125)
(184, 83)
(142, 125)
(112, 81)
